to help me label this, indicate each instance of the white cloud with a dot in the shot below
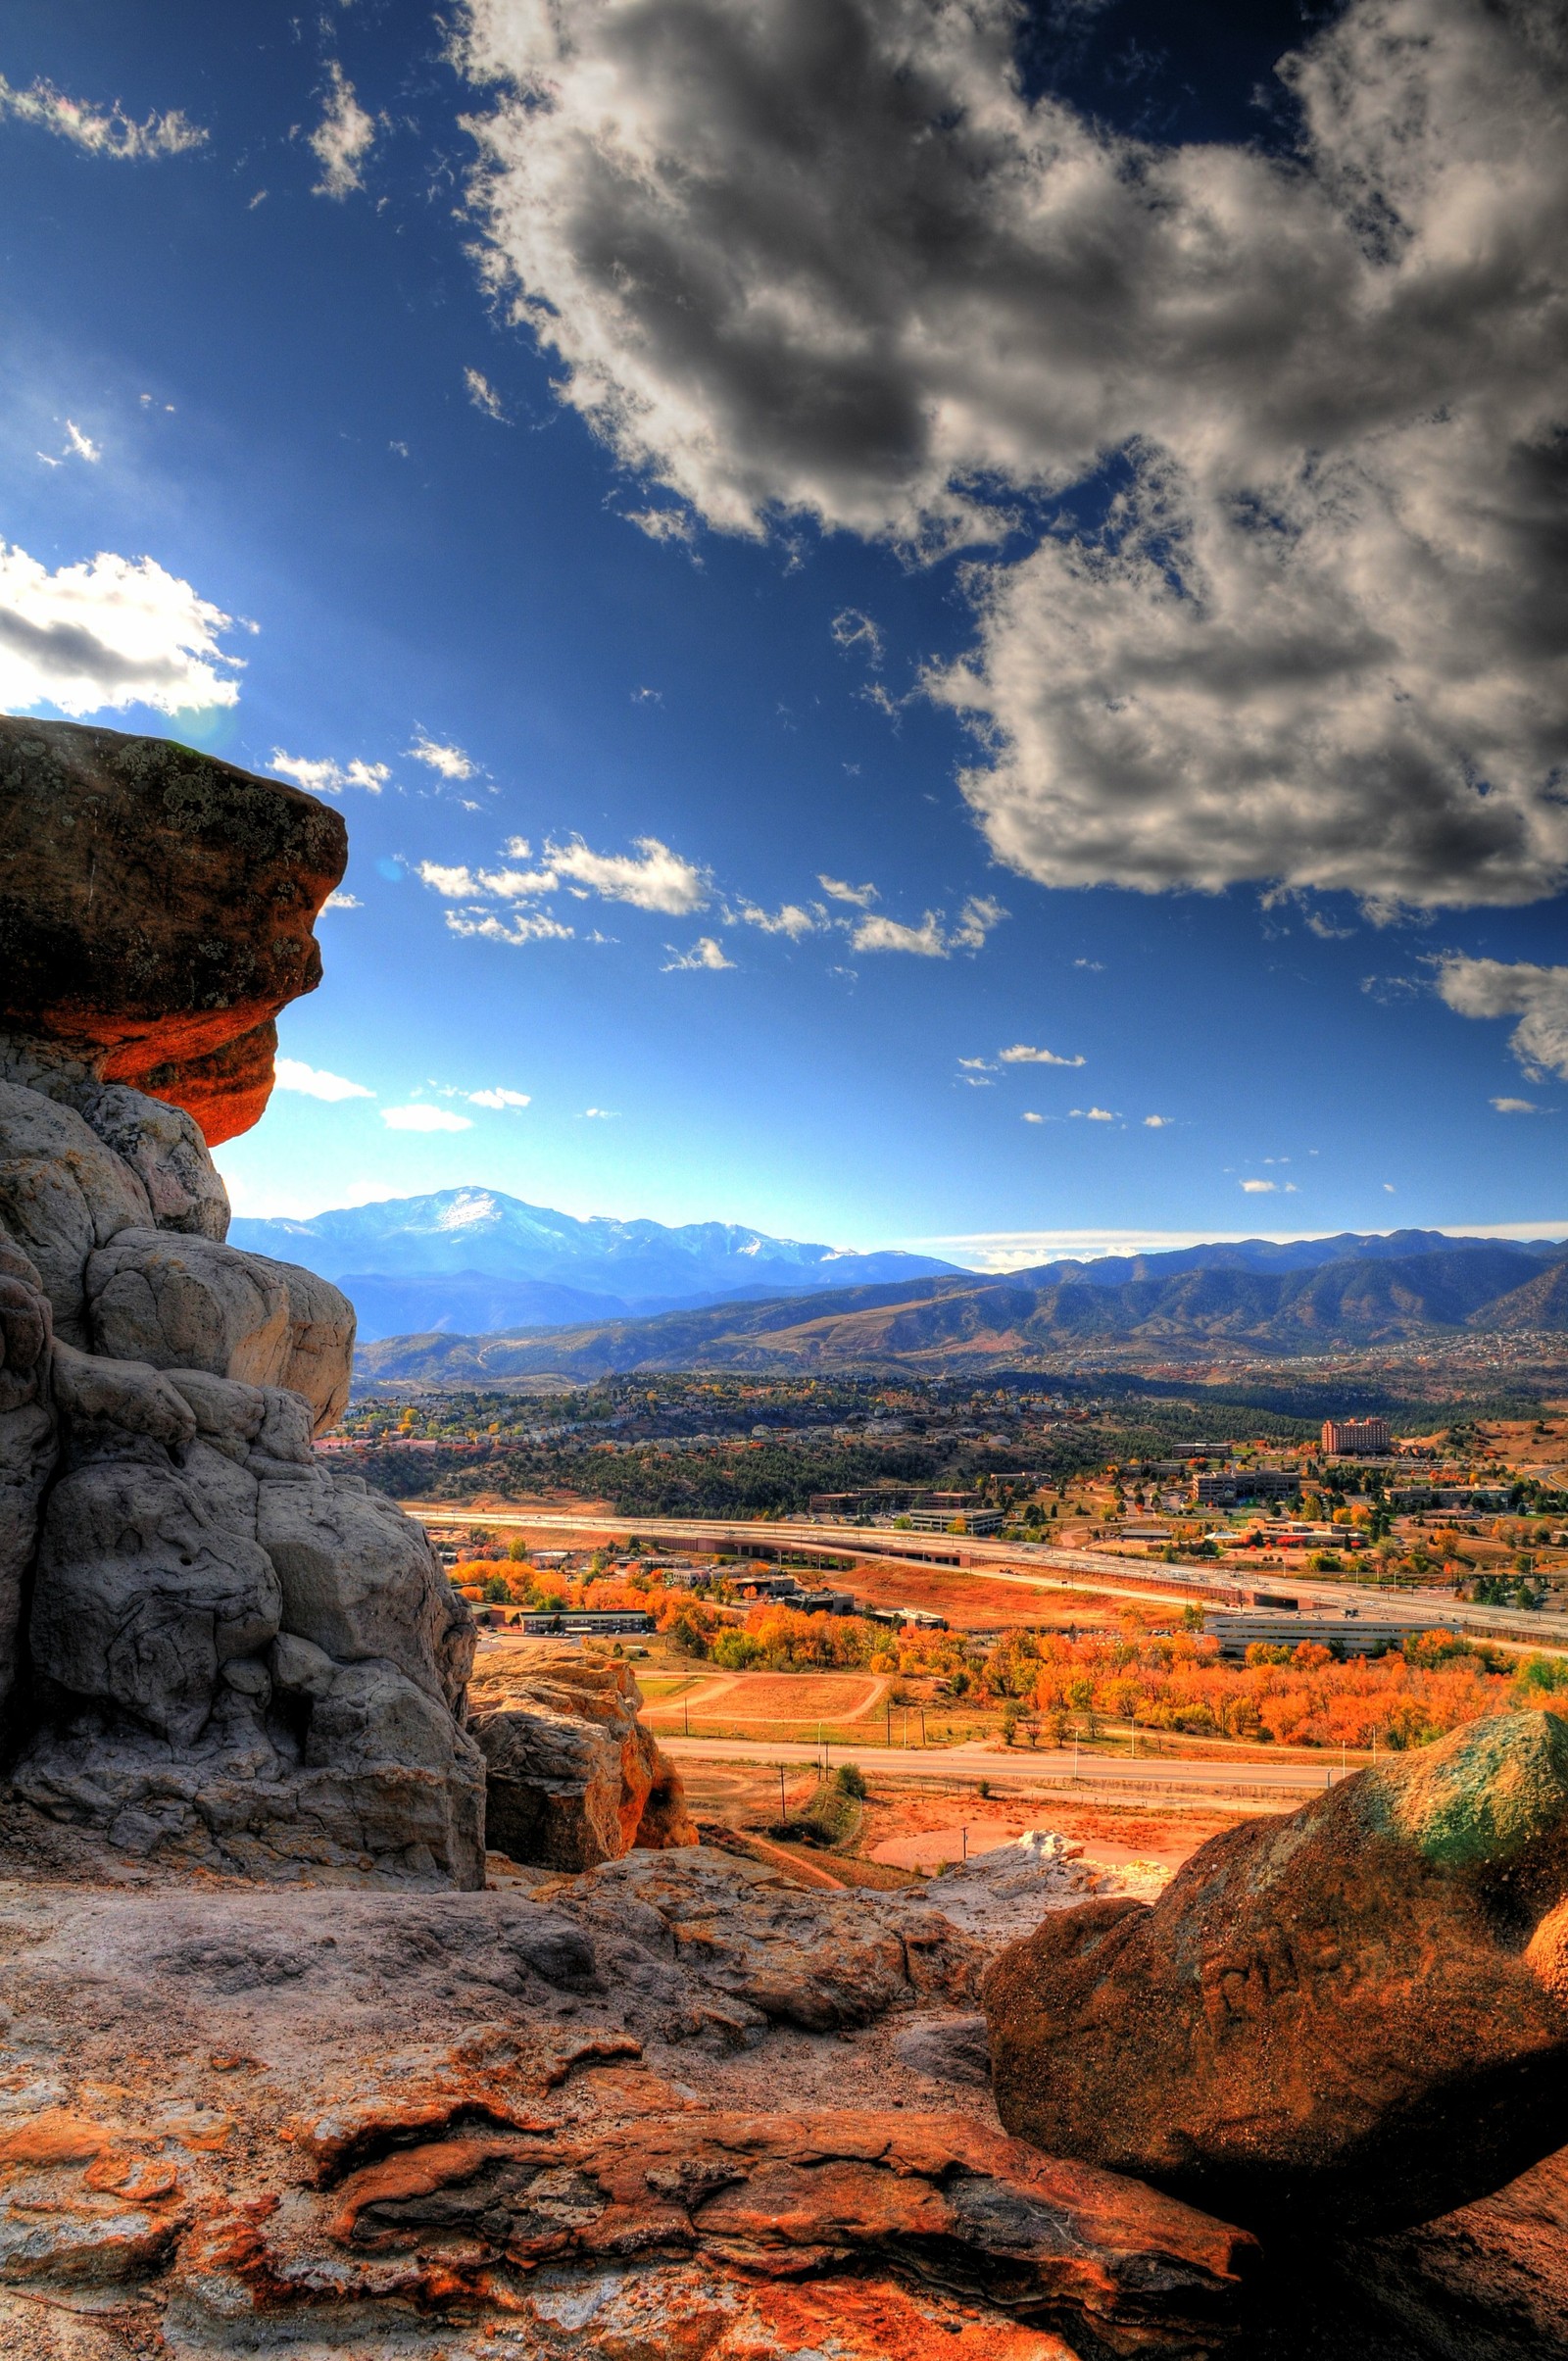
(1537, 996)
(424, 1118)
(1095, 1114)
(863, 896)
(1156, 1123)
(325, 777)
(657, 879)
(82, 445)
(853, 629)
(978, 918)
(886, 934)
(1261, 1188)
(1021, 1053)
(483, 395)
(455, 883)
(498, 1099)
(1030, 1117)
(600, 1114)
(1516, 1107)
(789, 919)
(978, 1065)
(835, 263)
(108, 632)
(291, 1073)
(450, 760)
(342, 900)
(526, 927)
(101, 130)
(342, 139)
(704, 952)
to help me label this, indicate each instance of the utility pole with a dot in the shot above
(783, 1808)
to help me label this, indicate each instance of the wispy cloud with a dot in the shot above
(498, 1099)
(704, 952)
(81, 446)
(527, 927)
(421, 1118)
(1516, 1107)
(342, 900)
(342, 139)
(600, 1114)
(314, 1082)
(483, 395)
(838, 889)
(788, 920)
(101, 130)
(853, 629)
(325, 777)
(1022, 1054)
(451, 761)
(656, 878)
(979, 917)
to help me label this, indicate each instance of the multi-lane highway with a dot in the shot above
(1183, 1779)
(1031, 1563)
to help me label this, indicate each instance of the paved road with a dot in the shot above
(1043, 1765)
(1004, 1562)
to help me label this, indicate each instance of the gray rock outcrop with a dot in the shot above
(213, 1646)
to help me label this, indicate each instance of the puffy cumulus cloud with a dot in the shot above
(656, 878)
(1022, 1053)
(323, 776)
(108, 632)
(498, 1099)
(314, 1082)
(704, 952)
(342, 139)
(788, 920)
(101, 130)
(421, 1118)
(1537, 996)
(527, 927)
(927, 940)
(831, 262)
(1157, 1122)
(342, 900)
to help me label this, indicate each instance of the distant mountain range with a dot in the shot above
(1300, 1297)
(475, 1260)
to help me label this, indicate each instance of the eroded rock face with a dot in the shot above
(1355, 2018)
(156, 908)
(212, 1646)
(574, 1778)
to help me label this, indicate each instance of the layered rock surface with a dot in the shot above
(1353, 2018)
(407, 2125)
(211, 1645)
(572, 1776)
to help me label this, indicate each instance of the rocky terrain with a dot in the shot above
(355, 2003)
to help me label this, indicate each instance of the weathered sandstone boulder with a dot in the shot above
(156, 908)
(232, 1656)
(574, 1777)
(1353, 2018)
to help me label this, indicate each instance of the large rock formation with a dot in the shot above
(1355, 2018)
(155, 910)
(573, 1778)
(210, 1644)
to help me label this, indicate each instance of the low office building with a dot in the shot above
(965, 1520)
(1347, 1632)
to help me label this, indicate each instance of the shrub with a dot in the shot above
(850, 1780)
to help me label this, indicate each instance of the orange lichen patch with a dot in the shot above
(58, 2136)
(139, 2183)
(867, 2320)
(631, 2091)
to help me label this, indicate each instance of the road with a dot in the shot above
(1034, 1562)
(1041, 1766)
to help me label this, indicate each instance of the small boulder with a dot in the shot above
(1353, 2018)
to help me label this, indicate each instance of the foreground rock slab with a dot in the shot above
(1353, 2018)
(368, 2124)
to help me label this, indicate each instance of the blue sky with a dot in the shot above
(1297, 893)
